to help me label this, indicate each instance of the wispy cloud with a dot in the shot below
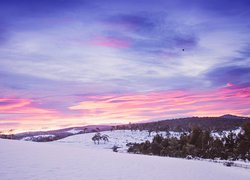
(110, 42)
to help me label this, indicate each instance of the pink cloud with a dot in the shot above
(20, 106)
(110, 42)
(124, 108)
(229, 84)
(168, 104)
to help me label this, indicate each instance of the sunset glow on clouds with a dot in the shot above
(131, 107)
(168, 104)
(70, 63)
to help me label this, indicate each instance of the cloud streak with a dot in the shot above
(110, 42)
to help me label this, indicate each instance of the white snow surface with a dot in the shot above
(29, 138)
(118, 138)
(74, 131)
(77, 157)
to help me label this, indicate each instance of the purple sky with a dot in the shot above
(61, 59)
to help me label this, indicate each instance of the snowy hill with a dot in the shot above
(118, 138)
(30, 160)
(122, 137)
(230, 116)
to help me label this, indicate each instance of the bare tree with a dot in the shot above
(85, 130)
(11, 133)
(96, 138)
(149, 132)
(105, 138)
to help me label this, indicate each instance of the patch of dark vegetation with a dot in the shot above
(198, 143)
(218, 124)
(99, 137)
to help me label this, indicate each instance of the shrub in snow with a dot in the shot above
(97, 138)
(189, 157)
(115, 148)
(228, 164)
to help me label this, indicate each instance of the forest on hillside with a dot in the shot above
(223, 123)
(198, 143)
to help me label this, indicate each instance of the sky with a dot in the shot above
(76, 62)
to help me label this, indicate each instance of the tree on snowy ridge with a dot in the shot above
(97, 137)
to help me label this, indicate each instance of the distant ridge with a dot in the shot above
(230, 116)
(226, 122)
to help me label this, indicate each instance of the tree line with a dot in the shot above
(198, 143)
(218, 124)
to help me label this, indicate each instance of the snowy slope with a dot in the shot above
(118, 137)
(39, 161)
(121, 137)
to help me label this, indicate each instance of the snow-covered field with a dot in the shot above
(77, 157)
(118, 138)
